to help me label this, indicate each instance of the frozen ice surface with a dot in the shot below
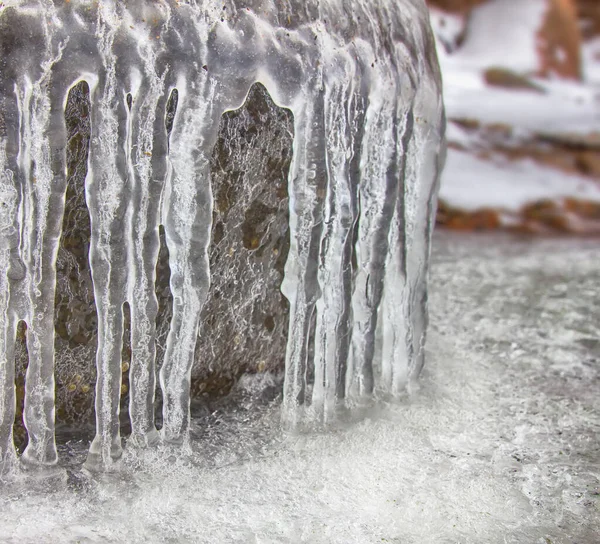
(498, 445)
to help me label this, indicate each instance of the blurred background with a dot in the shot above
(522, 93)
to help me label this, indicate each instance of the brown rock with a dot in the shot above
(468, 124)
(559, 41)
(588, 163)
(548, 214)
(569, 216)
(502, 77)
(455, 6)
(584, 209)
(574, 140)
(589, 14)
(570, 153)
(452, 218)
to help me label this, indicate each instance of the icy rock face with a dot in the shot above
(324, 184)
(243, 326)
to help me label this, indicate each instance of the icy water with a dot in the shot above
(500, 443)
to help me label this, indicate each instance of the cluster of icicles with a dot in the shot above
(362, 82)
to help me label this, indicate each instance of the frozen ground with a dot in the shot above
(499, 445)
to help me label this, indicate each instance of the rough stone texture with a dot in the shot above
(244, 322)
(75, 313)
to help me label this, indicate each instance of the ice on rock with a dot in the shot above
(362, 84)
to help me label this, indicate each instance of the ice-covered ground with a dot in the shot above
(500, 444)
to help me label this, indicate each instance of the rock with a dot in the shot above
(545, 217)
(589, 15)
(570, 153)
(575, 141)
(455, 219)
(455, 6)
(546, 213)
(588, 163)
(503, 77)
(559, 41)
(583, 208)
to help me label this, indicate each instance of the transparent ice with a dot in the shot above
(362, 83)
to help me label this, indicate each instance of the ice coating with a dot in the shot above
(362, 82)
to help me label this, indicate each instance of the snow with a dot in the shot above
(591, 61)
(449, 27)
(567, 106)
(471, 183)
(502, 33)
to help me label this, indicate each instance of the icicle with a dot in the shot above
(344, 117)
(147, 170)
(308, 182)
(108, 198)
(187, 217)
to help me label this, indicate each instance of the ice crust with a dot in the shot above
(499, 445)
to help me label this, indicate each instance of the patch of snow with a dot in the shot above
(448, 27)
(560, 54)
(503, 33)
(591, 61)
(471, 183)
(567, 106)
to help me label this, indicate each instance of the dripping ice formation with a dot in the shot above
(362, 83)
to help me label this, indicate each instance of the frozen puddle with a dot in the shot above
(500, 443)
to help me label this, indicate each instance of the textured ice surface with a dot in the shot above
(362, 84)
(499, 444)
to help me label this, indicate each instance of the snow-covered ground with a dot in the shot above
(499, 444)
(471, 183)
(502, 34)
